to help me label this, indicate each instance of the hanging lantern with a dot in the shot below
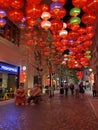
(5, 3)
(79, 3)
(75, 20)
(31, 22)
(2, 13)
(17, 4)
(46, 15)
(60, 14)
(73, 27)
(56, 25)
(64, 25)
(90, 35)
(45, 24)
(88, 18)
(44, 7)
(33, 10)
(88, 52)
(34, 1)
(15, 15)
(63, 33)
(75, 11)
(55, 7)
(82, 30)
(73, 35)
(91, 6)
(2, 22)
(89, 29)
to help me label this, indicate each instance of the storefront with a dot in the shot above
(9, 76)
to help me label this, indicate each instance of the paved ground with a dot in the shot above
(57, 113)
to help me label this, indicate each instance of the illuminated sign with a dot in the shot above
(8, 68)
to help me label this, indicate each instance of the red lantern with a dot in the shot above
(91, 6)
(82, 30)
(87, 43)
(17, 4)
(90, 35)
(31, 22)
(88, 18)
(79, 3)
(56, 25)
(73, 35)
(60, 14)
(89, 29)
(44, 7)
(33, 10)
(5, 3)
(80, 74)
(34, 1)
(15, 15)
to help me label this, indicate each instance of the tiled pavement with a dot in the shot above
(57, 113)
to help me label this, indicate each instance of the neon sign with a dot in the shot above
(8, 68)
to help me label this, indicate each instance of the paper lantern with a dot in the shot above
(89, 18)
(45, 15)
(33, 10)
(2, 22)
(5, 3)
(56, 25)
(2, 13)
(46, 24)
(55, 7)
(75, 11)
(79, 3)
(63, 33)
(44, 7)
(17, 4)
(75, 20)
(31, 22)
(15, 15)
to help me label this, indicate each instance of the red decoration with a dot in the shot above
(33, 10)
(73, 35)
(15, 15)
(17, 4)
(5, 3)
(44, 7)
(91, 6)
(60, 14)
(88, 18)
(56, 25)
(80, 74)
(31, 22)
(89, 28)
(81, 30)
(79, 3)
(34, 1)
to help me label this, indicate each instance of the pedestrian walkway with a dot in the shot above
(56, 113)
(93, 102)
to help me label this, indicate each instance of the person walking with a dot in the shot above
(94, 90)
(81, 90)
(72, 88)
(76, 87)
(66, 89)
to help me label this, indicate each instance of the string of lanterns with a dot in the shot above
(77, 40)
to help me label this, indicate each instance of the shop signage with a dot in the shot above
(8, 68)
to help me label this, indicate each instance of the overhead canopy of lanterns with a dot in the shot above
(65, 36)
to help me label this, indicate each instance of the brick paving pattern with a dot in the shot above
(57, 113)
